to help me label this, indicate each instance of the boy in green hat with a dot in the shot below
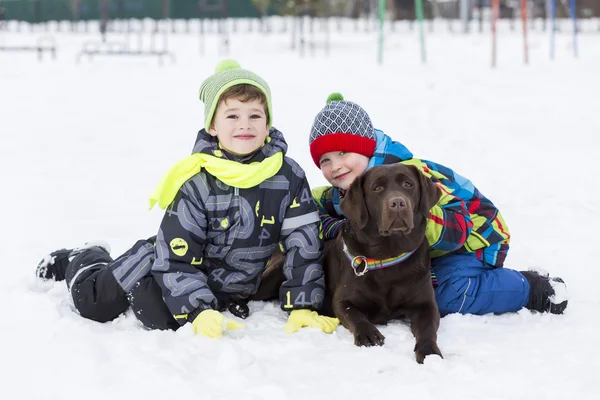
(228, 207)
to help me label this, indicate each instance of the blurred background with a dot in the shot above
(40, 11)
(309, 23)
(105, 93)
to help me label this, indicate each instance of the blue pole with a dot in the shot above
(552, 27)
(574, 17)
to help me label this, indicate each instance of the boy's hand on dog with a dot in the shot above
(301, 318)
(211, 323)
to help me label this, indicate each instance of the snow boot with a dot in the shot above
(54, 265)
(546, 294)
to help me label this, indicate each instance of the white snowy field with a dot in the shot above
(82, 146)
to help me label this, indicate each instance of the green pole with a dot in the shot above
(381, 14)
(419, 11)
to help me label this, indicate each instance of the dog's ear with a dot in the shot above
(430, 192)
(353, 204)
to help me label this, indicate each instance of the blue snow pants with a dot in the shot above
(469, 286)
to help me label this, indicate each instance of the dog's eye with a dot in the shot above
(378, 188)
(407, 184)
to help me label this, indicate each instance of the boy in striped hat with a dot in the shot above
(467, 235)
(229, 205)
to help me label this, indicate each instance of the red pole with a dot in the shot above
(495, 14)
(524, 19)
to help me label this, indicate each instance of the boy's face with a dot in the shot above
(341, 168)
(240, 127)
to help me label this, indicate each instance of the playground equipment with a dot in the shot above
(125, 46)
(573, 12)
(312, 23)
(523, 10)
(43, 45)
(218, 7)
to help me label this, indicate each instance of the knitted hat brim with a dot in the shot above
(235, 82)
(339, 141)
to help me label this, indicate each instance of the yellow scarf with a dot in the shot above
(232, 173)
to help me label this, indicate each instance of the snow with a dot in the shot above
(82, 146)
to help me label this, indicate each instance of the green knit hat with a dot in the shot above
(228, 73)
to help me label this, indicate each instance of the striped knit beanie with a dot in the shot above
(228, 73)
(341, 126)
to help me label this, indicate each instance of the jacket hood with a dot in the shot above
(388, 151)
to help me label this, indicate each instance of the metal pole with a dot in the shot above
(524, 19)
(104, 15)
(574, 17)
(464, 14)
(75, 9)
(495, 14)
(552, 28)
(2, 11)
(480, 16)
(381, 15)
(419, 11)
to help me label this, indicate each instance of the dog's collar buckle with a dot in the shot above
(371, 264)
(356, 262)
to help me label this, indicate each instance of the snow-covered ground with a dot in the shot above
(82, 146)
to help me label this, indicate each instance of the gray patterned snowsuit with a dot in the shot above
(212, 246)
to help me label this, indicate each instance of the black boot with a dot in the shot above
(239, 308)
(542, 294)
(54, 265)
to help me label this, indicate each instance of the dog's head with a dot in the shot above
(390, 199)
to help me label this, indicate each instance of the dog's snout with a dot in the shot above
(397, 203)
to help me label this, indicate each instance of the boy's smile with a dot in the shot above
(341, 176)
(341, 168)
(240, 127)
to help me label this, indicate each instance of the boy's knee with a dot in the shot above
(85, 263)
(149, 307)
(456, 295)
(97, 295)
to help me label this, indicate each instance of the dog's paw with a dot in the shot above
(368, 335)
(422, 350)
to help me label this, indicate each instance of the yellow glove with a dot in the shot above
(212, 323)
(301, 318)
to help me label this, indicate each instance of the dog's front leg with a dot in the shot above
(424, 323)
(365, 333)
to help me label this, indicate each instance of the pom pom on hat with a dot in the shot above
(227, 64)
(341, 126)
(229, 73)
(335, 96)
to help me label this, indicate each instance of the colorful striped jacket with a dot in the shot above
(463, 221)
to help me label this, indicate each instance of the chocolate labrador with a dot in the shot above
(377, 269)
